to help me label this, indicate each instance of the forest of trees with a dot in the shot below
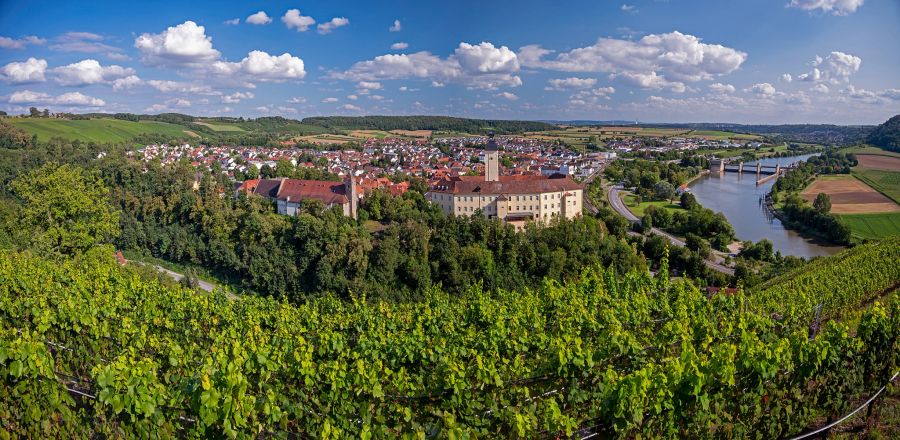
(694, 221)
(645, 175)
(402, 245)
(887, 135)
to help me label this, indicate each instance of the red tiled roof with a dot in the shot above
(330, 193)
(519, 184)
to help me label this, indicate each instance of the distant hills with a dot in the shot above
(271, 130)
(435, 123)
(167, 127)
(887, 135)
(812, 133)
(580, 122)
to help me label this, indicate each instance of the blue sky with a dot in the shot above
(761, 61)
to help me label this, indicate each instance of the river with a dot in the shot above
(738, 197)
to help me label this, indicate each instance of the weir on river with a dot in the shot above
(741, 200)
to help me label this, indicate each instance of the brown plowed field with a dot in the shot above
(876, 162)
(850, 196)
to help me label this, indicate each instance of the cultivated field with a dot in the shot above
(873, 226)
(885, 182)
(581, 135)
(870, 150)
(327, 139)
(412, 133)
(96, 130)
(850, 196)
(366, 134)
(219, 126)
(878, 162)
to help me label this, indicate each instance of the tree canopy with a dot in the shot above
(66, 208)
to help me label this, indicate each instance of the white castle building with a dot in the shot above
(513, 199)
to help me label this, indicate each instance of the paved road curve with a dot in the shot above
(716, 260)
(209, 287)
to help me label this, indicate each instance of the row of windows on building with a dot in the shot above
(532, 197)
(519, 208)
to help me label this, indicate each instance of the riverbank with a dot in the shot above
(739, 198)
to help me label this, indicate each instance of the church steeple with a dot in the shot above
(491, 160)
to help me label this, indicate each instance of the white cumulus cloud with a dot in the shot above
(181, 87)
(399, 46)
(185, 44)
(20, 43)
(74, 99)
(328, 26)
(236, 97)
(721, 88)
(259, 65)
(29, 71)
(232, 22)
(293, 19)
(835, 67)
(764, 90)
(836, 7)
(89, 71)
(485, 58)
(482, 66)
(396, 27)
(178, 102)
(654, 61)
(371, 85)
(259, 18)
(508, 95)
(570, 83)
(126, 83)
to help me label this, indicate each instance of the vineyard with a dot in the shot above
(87, 348)
(840, 283)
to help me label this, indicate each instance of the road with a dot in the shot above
(209, 287)
(587, 200)
(715, 262)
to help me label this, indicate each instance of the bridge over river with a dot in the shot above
(764, 172)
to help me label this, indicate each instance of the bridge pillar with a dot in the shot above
(777, 169)
(740, 167)
(758, 168)
(717, 165)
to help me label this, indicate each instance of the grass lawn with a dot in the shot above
(885, 182)
(96, 130)
(872, 226)
(640, 209)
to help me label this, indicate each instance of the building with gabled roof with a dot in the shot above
(289, 194)
(515, 199)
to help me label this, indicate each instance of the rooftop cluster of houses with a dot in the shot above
(662, 144)
(430, 160)
(521, 168)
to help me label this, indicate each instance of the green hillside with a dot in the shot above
(89, 348)
(97, 130)
(887, 135)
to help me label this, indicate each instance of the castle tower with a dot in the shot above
(491, 160)
(353, 195)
